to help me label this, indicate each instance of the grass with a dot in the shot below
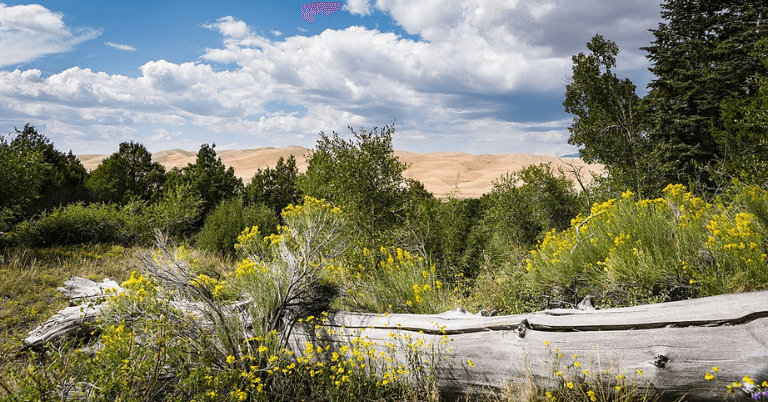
(651, 246)
(28, 282)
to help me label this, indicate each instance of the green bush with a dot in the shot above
(227, 221)
(669, 248)
(455, 237)
(176, 213)
(76, 224)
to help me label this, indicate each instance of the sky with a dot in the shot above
(473, 76)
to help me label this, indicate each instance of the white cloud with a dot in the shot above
(28, 32)
(451, 88)
(230, 27)
(275, 33)
(120, 47)
(359, 7)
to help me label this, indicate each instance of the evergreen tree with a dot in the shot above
(207, 178)
(743, 140)
(703, 54)
(36, 176)
(127, 174)
(275, 188)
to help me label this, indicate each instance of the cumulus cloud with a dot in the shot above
(461, 83)
(28, 32)
(359, 7)
(120, 47)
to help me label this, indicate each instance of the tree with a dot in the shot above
(703, 53)
(21, 176)
(743, 139)
(36, 176)
(363, 177)
(127, 174)
(208, 178)
(608, 125)
(275, 188)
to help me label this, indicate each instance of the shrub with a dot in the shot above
(455, 238)
(227, 221)
(667, 248)
(75, 224)
(393, 281)
(175, 213)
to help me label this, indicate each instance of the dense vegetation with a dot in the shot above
(682, 212)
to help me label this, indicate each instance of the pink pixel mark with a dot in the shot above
(308, 11)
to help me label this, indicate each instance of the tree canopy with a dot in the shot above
(127, 174)
(608, 124)
(701, 122)
(362, 176)
(35, 176)
(274, 187)
(704, 52)
(207, 178)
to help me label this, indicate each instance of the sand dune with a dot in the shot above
(442, 173)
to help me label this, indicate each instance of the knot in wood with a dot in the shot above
(521, 328)
(660, 361)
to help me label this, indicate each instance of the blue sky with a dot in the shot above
(476, 76)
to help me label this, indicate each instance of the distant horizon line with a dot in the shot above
(573, 155)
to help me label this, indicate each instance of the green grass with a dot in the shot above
(627, 251)
(28, 282)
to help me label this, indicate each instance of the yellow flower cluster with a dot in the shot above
(138, 285)
(216, 287)
(733, 233)
(309, 203)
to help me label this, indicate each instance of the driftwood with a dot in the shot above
(674, 344)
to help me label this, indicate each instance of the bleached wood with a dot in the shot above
(674, 344)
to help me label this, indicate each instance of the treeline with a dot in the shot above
(51, 200)
(702, 125)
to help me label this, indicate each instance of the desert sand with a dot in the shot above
(442, 173)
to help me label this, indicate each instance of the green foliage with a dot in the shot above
(276, 188)
(523, 206)
(608, 124)
(126, 175)
(455, 235)
(743, 138)
(674, 247)
(135, 222)
(207, 178)
(36, 177)
(393, 281)
(175, 213)
(362, 176)
(75, 224)
(20, 177)
(703, 54)
(225, 223)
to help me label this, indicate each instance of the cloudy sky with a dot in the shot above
(476, 76)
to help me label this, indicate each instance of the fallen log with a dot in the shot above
(672, 344)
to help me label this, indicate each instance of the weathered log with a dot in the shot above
(73, 319)
(674, 344)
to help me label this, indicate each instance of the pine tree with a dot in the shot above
(703, 54)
